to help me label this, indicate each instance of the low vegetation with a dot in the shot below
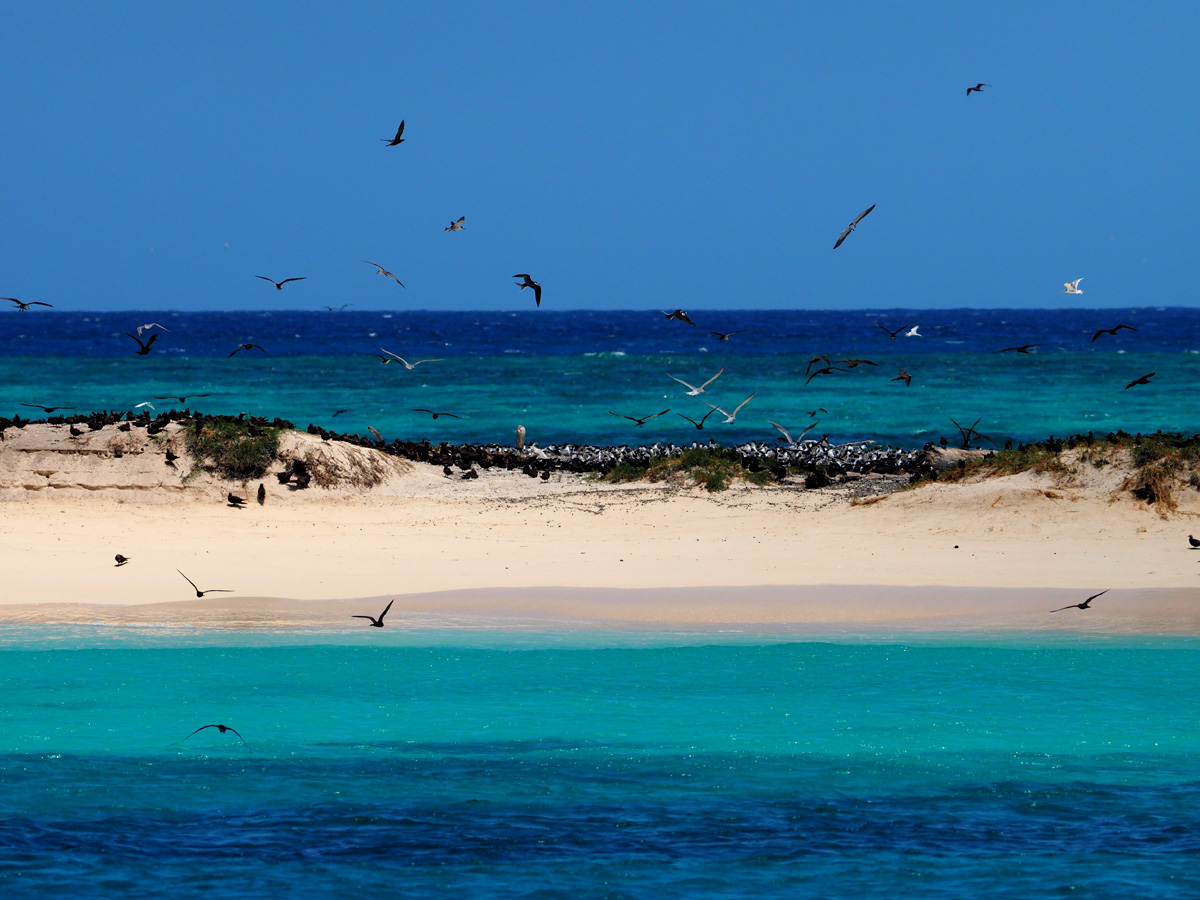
(232, 448)
(711, 468)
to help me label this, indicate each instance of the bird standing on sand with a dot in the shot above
(143, 346)
(694, 391)
(1113, 331)
(530, 283)
(383, 271)
(1072, 287)
(730, 416)
(1195, 543)
(279, 284)
(678, 315)
(1145, 379)
(25, 306)
(456, 226)
(220, 728)
(377, 623)
(852, 226)
(234, 500)
(262, 494)
(643, 420)
(200, 593)
(397, 140)
(1085, 604)
(240, 348)
(979, 87)
(121, 560)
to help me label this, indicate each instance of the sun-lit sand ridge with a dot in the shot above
(509, 550)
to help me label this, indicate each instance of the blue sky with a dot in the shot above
(628, 155)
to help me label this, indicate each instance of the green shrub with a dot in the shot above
(233, 448)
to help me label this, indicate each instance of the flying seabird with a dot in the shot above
(339, 412)
(1084, 604)
(853, 363)
(730, 416)
(240, 348)
(699, 425)
(530, 283)
(643, 420)
(220, 728)
(183, 399)
(979, 87)
(694, 391)
(337, 308)
(437, 414)
(143, 346)
(827, 370)
(966, 434)
(852, 225)
(817, 359)
(1072, 287)
(26, 306)
(121, 560)
(456, 226)
(377, 623)
(905, 377)
(1024, 348)
(679, 315)
(148, 326)
(812, 413)
(724, 335)
(1145, 379)
(46, 409)
(279, 284)
(787, 437)
(912, 332)
(892, 334)
(407, 364)
(383, 271)
(200, 593)
(1112, 331)
(397, 140)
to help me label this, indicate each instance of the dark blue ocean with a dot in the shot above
(486, 765)
(561, 374)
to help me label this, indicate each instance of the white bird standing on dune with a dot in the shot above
(409, 365)
(730, 416)
(696, 391)
(1072, 287)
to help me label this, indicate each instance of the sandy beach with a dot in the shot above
(506, 550)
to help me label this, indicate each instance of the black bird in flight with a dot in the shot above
(530, 283)
(812, 413)
(397, 140)
(220, 728)
(200, 593)
(235, 501)
(966, 434)
(339, 412)
(121, 560)
(242, 347)
(699, 425)
(891, 334)
(1112, 331)
(377, 623)
(827, 370)
(1084, 604)
(25, 306)
(143, 346)
(724, 335)
(456, 226)
(852, 226)
(979, 87)
(854, 363)
(183, 399)
(905, 377)
(46, 409)
(436, 414)
(1024, 348)
(678, 315)
(816, 359)
(383, 271)
(279, 284)
(1145, 379)
(641, 421)
(337, 308)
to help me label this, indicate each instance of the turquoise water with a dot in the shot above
(486, 764)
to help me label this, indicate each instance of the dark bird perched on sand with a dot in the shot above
(1145, 379)
(46, 409)
(1195, 543)
(699, 425)
(678, 315)
(25, 306)
(235, 501)
(220, 728)
(1024, 348)
(905, 377)
(979, 87)
(377, 623)
(279, 284)
(397, 140)
(530, 283)
(891, 334)
(383, 271)
(852, 226)
(242, 347)
(262, 495)
(121, 560)
(827, 370)
(200, 593)
(143, 346)
(171, 457)
(437, 414)
(1084, 604)
(456, 226)
(1112, 331)
(643, 420)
